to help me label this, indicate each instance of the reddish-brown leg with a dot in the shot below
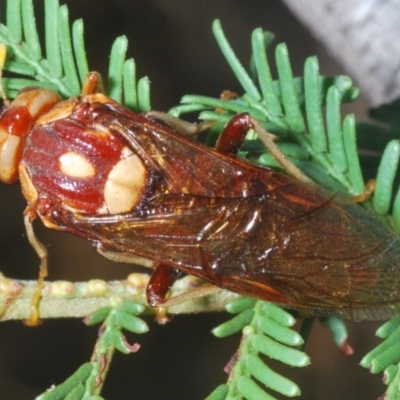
(234, 133)
(231, 138)
(160, 283)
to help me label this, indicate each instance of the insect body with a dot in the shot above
(130, 184)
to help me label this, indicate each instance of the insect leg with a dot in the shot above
(232, 137)
(127, 258)
(367, 193)
(200, 292)
(285, 163)
(184, 127)
(93, 84)
(160, 283)
(234, 133)
(41, 251)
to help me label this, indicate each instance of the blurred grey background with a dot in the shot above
(172, 43)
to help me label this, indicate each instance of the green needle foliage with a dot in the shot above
(303, 112)
(65, 67)
(292, 109)
(323, 146)
(84, 383)
(266, 332)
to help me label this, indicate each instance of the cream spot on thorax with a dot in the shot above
(76, 165)
(125, 183)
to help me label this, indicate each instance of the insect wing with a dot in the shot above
(186, 165)
(242, 227)
(322, 260)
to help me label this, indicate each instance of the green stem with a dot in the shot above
(63, 299)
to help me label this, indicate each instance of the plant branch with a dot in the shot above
(63, 299)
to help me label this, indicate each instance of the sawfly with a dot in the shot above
(133, 185)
